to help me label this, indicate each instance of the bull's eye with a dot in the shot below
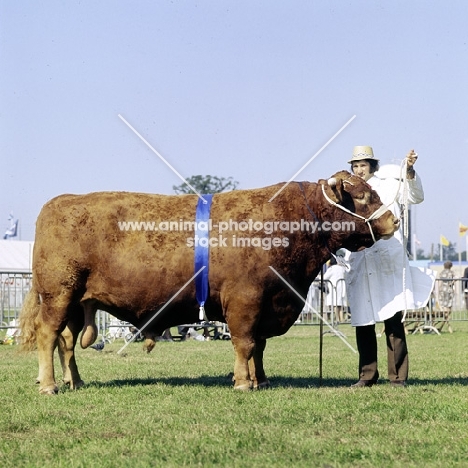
(359, 196)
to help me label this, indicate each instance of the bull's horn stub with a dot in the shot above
(332, 181)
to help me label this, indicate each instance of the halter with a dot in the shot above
(375, 215)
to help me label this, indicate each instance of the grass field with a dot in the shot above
(176, 407)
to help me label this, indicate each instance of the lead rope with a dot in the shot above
(404, 177)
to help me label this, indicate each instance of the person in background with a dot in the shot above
(374, 281)
(446, 285)
(465, 286)
(335, 297)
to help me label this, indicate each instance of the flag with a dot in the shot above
(12, 231)
(462, 229)
(444, 241)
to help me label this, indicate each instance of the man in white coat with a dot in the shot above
(375, 280)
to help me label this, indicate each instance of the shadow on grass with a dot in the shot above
(276, 382)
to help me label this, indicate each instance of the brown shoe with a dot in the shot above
(363, 383)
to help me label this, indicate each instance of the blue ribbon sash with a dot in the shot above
(202, 250)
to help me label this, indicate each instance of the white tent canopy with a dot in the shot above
(16, 256)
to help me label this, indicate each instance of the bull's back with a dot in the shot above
(132, 249)
(138, 224)
(103, 237)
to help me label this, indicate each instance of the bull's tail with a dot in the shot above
(27, 319)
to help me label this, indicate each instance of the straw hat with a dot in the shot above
(362, 152)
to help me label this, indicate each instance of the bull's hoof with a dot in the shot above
(262, 385)
(77, 385)
(74, 385)
(245, 386)
(49, 390)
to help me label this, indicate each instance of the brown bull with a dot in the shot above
(83, 261)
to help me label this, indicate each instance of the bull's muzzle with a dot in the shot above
(393, 224)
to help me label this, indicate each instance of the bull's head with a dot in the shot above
(355, 198)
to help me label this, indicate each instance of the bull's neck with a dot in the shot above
(308, 247)
(319, 243)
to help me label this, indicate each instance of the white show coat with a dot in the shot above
(375, 280)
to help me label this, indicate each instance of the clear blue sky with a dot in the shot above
(243, 88)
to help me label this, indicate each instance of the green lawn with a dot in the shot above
(176, 407)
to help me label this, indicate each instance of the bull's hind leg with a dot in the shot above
(257, 372)
(66, 349)
(49, 324)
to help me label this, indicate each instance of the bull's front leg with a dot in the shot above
(257, 372)
(242, 314)
(150, 341)
(243, 348)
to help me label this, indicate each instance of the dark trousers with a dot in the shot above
(397, 351)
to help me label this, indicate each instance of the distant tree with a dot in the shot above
(206, 184)
(449, 252)
(420, 255)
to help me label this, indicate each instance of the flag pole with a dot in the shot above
(459, 256)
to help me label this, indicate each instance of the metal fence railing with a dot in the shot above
(15, 286)
(13, 289)
(335, 299)
(335, 304)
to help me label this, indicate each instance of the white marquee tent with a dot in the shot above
(15, 256)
